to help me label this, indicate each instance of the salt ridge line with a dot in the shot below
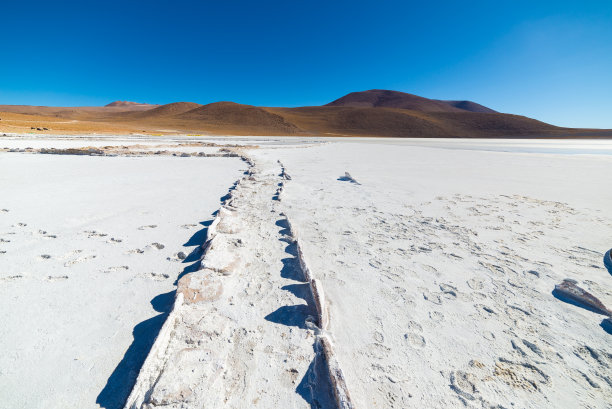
(324, 343)
(198, 368)
(152, 367)
(165, 379)
(137, 150)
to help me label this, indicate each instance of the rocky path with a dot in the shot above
(245, 330)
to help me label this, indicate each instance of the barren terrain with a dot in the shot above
(184, 271)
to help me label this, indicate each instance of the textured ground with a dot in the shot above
(459, 253)
(435, 260)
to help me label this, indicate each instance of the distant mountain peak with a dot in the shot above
(125, 104)
(383, 98)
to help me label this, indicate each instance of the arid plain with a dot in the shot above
(147, 263)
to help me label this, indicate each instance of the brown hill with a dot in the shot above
(380, 98)
(239, 117)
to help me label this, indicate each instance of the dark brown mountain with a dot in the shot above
(471, 106)
(380, 98)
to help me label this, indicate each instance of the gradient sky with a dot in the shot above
(550, 60)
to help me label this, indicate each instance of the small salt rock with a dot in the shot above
(181, 255)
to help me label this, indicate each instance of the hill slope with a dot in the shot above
(471, 106)
(239, 117)
(175, 108)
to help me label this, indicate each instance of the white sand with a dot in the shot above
(438, 270)
(68, 321)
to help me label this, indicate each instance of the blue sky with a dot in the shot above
(550, 60)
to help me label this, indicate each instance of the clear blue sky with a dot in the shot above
(551, 60)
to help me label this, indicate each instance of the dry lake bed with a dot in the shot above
(185, 271)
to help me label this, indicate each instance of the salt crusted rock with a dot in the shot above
(200, 286)
(569, 289)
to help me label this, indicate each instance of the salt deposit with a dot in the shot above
(349, 273)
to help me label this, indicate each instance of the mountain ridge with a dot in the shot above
(372, 113)
(127, 104)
